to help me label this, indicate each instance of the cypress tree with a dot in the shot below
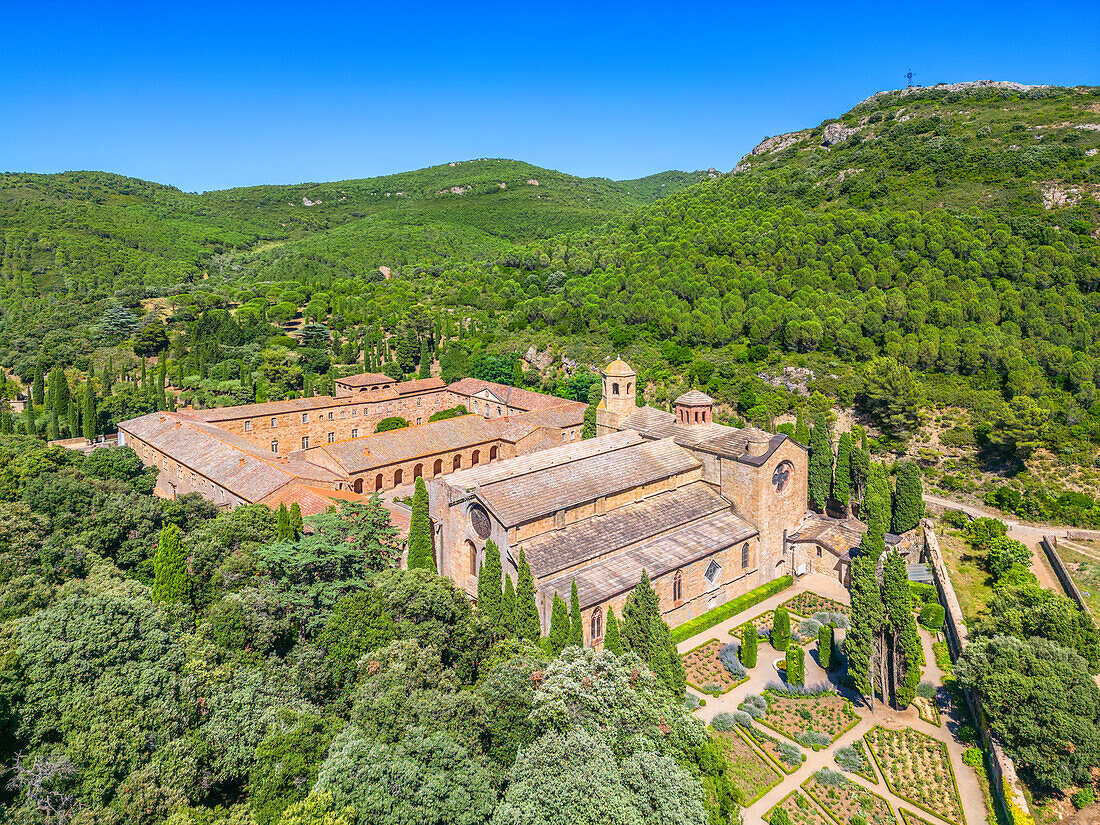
(821, 465)
(559, 625)
(796, 665)
(825, 642)
(842, 475)
(52, 428)
(489, 585)
(72, 420)
(7, 425)
(876, 505)
(588, 425)
(611, 640)
(425, 370)
(421, 554)
(908, 498)
(38, 386)
(90, 417)
(508, 607)
(801, 431)
(646, 634)
(162, 401)
(781, 628)
(283, 531)
(28, 420)
(576, 628)
(170, 582)
(296, 520)
(748, 646)
(905, 652)
(867, 619)
(527, 613)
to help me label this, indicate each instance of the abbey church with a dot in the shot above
(708, 511)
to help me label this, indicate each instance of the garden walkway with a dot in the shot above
(764, 673)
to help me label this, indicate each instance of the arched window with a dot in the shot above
(418, 471)
(744, 556)
(597, 624)
(615, 389)
(471, 553)
(492, 453)
(358, 485)
(457, 463)
(629, 384)
(677, 587)
(438, 467)
(378, 482)
(475, 457)
(397, 477)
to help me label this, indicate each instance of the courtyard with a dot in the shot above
(908, 767)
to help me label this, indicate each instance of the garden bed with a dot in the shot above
(797, 717)
(805, 604)
(800, 809)
(845, 799)
(868, 770)
(763, 622)
(773, 748)
(705, 672)
(927, 710)
(916, 768)
(910, 818)
(750, 772)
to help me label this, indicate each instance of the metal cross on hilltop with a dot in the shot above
(909, 75)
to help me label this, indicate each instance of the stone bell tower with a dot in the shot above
(620, 388)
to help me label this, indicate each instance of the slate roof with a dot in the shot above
(513, 396)
(723, 440)
(599, 535)
(522, 498)
(838, 536)
(615, 574)
(694, 398)
(228, 460)
(358, 455)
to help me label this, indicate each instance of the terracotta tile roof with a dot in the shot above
(228, 460)
(364, 379)
(512, 396)
(599, 535)
(291, 405)
(608, 577)
(358, 455)
(571, 481)
(420, 385)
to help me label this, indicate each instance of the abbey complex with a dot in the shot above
(709, 511)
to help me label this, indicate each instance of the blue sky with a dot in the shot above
(212, 95)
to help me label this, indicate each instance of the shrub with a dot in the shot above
(808, 628)
(754, 705)
(1083, 798)
(727, 655)
(723, 722)
(825, 644)
(926, 690)
(857, 819)
(394, 422)
(692, 702)
(781, 629)
(972, 757)
(779, 817)
(982, 531)
(932, 616)
(956, 518)
(837, 620)
(967, 735)
(748, 647)
(796, 665)
(730, 608)
(830, 778)
(789, 754)
(814, 739)
(923, 593)
(943, 656)
(850, 759)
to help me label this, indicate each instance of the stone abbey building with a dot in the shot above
(708, 511)
(324, 447)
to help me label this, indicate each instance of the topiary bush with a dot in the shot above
(781, 629)
(826, 643)
(796, 665)
(972, 757)
(748, 647)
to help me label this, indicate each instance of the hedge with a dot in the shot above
(932, 616)
(730, 608)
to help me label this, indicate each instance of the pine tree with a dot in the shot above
(489, 585)
(748, 646)
(781, 628)
(576, 628)
(421, 553)
(90, 416)
(283, 531)
(296, 524)
(559, 625)
(796, 665)
(801, 431)
(826, 640)
(842, 475)
(821, 464)
(170, 581)
(611, 640)
(908, 498)
(508, 607)
(528, 625)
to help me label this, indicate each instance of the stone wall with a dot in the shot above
(1050, 547)
(429, 466)
(175, 479)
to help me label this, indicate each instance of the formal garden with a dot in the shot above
(845, 800)
(750, 772)
(762, 623)
(713, 667)
(813, 719)
(917, 768)
(910, 818)
(807, 603)
(854, 759)
(799, 811)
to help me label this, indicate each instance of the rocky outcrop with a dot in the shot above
(778, 143)
(1057, 194)
(837, 133)
(957, 87)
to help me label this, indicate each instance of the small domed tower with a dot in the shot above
(693, 408)
(620, 387)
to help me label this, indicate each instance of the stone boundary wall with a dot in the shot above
(1006, 785)
(1050, 547)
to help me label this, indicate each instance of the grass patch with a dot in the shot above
(972, 584)
(1085, 571)
(729, 609)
